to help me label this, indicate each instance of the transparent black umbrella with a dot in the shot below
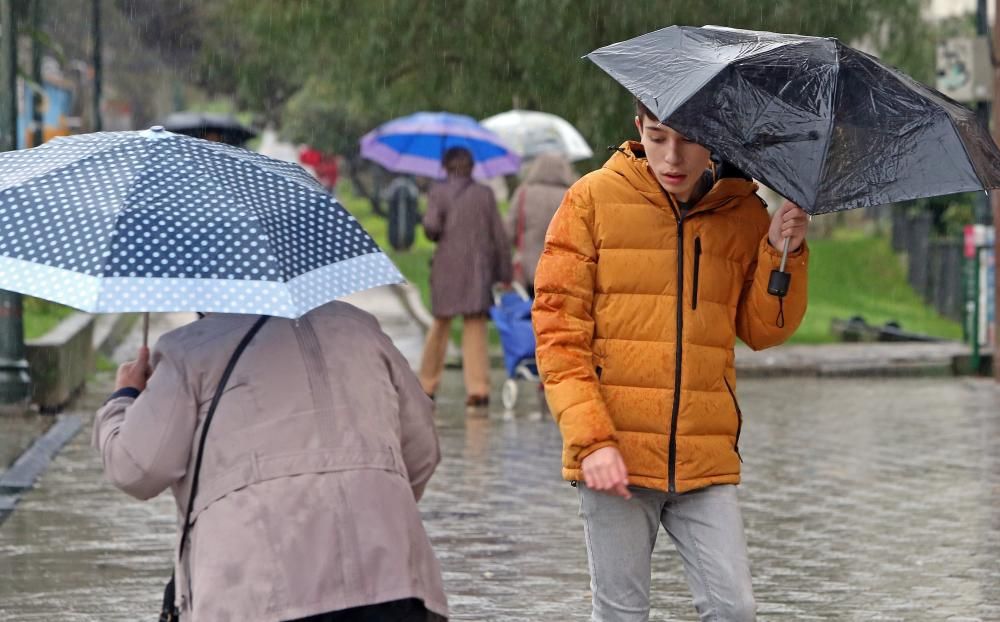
(827, 126)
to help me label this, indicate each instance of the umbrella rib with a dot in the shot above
(257, 161)
(829, 130)
(972, 161)
(61, 167)
(908, 83)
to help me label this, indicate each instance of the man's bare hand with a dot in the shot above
(604, 471)
(790, 221)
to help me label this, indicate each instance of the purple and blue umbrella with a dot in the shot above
(414, 144)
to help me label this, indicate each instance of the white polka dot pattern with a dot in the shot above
(153, 221)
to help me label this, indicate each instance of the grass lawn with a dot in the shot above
(41, 316)
(859, 275)
(849, 275)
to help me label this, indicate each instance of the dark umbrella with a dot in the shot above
(825, 125)
(220, 127)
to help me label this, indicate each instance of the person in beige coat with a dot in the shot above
(318, 452)
(532, 207)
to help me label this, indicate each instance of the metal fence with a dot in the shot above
(934, 265)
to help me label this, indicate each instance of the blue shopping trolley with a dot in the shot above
(511, 314)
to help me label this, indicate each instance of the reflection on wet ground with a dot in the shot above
(863, 500)
(17, 433)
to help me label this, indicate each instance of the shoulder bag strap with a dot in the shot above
(208, 420)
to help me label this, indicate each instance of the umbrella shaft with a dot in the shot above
(784, 256)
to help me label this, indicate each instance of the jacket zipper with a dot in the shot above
(697, 265)
(739, 418)
(672, 470)
(672, 448)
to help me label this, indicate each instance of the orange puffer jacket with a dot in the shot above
(633, 301)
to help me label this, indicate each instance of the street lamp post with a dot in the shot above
(995, 200)
(15, 383)
(95, 31)
(37, 99)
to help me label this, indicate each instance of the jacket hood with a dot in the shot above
(629, 161)
(551, 169)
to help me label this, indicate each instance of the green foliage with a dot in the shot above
(41, 316)
(342, 66)
(102, 364)
(858, 275)
(327, 116)
(956, 216)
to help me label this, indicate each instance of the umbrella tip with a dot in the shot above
(156, 131)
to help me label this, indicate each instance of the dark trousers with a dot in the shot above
(407, 610)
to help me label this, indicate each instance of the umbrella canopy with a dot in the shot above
(530, 133)
(825, 125)
(222, 127)
(155, 221)
(415, 144)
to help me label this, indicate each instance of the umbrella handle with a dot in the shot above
(778, 284)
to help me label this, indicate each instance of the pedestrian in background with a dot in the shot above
(472, 255)
(324, 165)
(305, 502)
(532, 207)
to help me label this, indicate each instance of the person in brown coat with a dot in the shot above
(316, 456)
(472, 255)
(532, 207)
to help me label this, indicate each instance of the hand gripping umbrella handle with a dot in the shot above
(778, 284)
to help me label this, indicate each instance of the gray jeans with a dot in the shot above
(707, 529)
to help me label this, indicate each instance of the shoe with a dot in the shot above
(477, 401)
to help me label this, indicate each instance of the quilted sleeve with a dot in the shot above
(763, 320)
(564, 327)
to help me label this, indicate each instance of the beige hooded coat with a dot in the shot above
(314, 462)
(532, 207)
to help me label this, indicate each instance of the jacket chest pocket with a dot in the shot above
(697, 273)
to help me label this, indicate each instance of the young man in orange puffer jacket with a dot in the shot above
(652, 267)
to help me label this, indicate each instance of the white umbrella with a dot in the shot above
(529, 133)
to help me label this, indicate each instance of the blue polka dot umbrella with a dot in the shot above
(155, 221)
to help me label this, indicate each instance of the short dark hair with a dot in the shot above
(641, 110)
(453, 153)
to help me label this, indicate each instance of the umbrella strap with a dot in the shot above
(780, 320)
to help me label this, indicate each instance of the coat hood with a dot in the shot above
(550, 169)
(629, 161)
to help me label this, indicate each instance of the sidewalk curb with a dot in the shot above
(21, 476)
(915, 369)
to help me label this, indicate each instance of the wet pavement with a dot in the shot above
(863, 499)
(17, 432)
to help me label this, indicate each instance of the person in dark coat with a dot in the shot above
(472, 255)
